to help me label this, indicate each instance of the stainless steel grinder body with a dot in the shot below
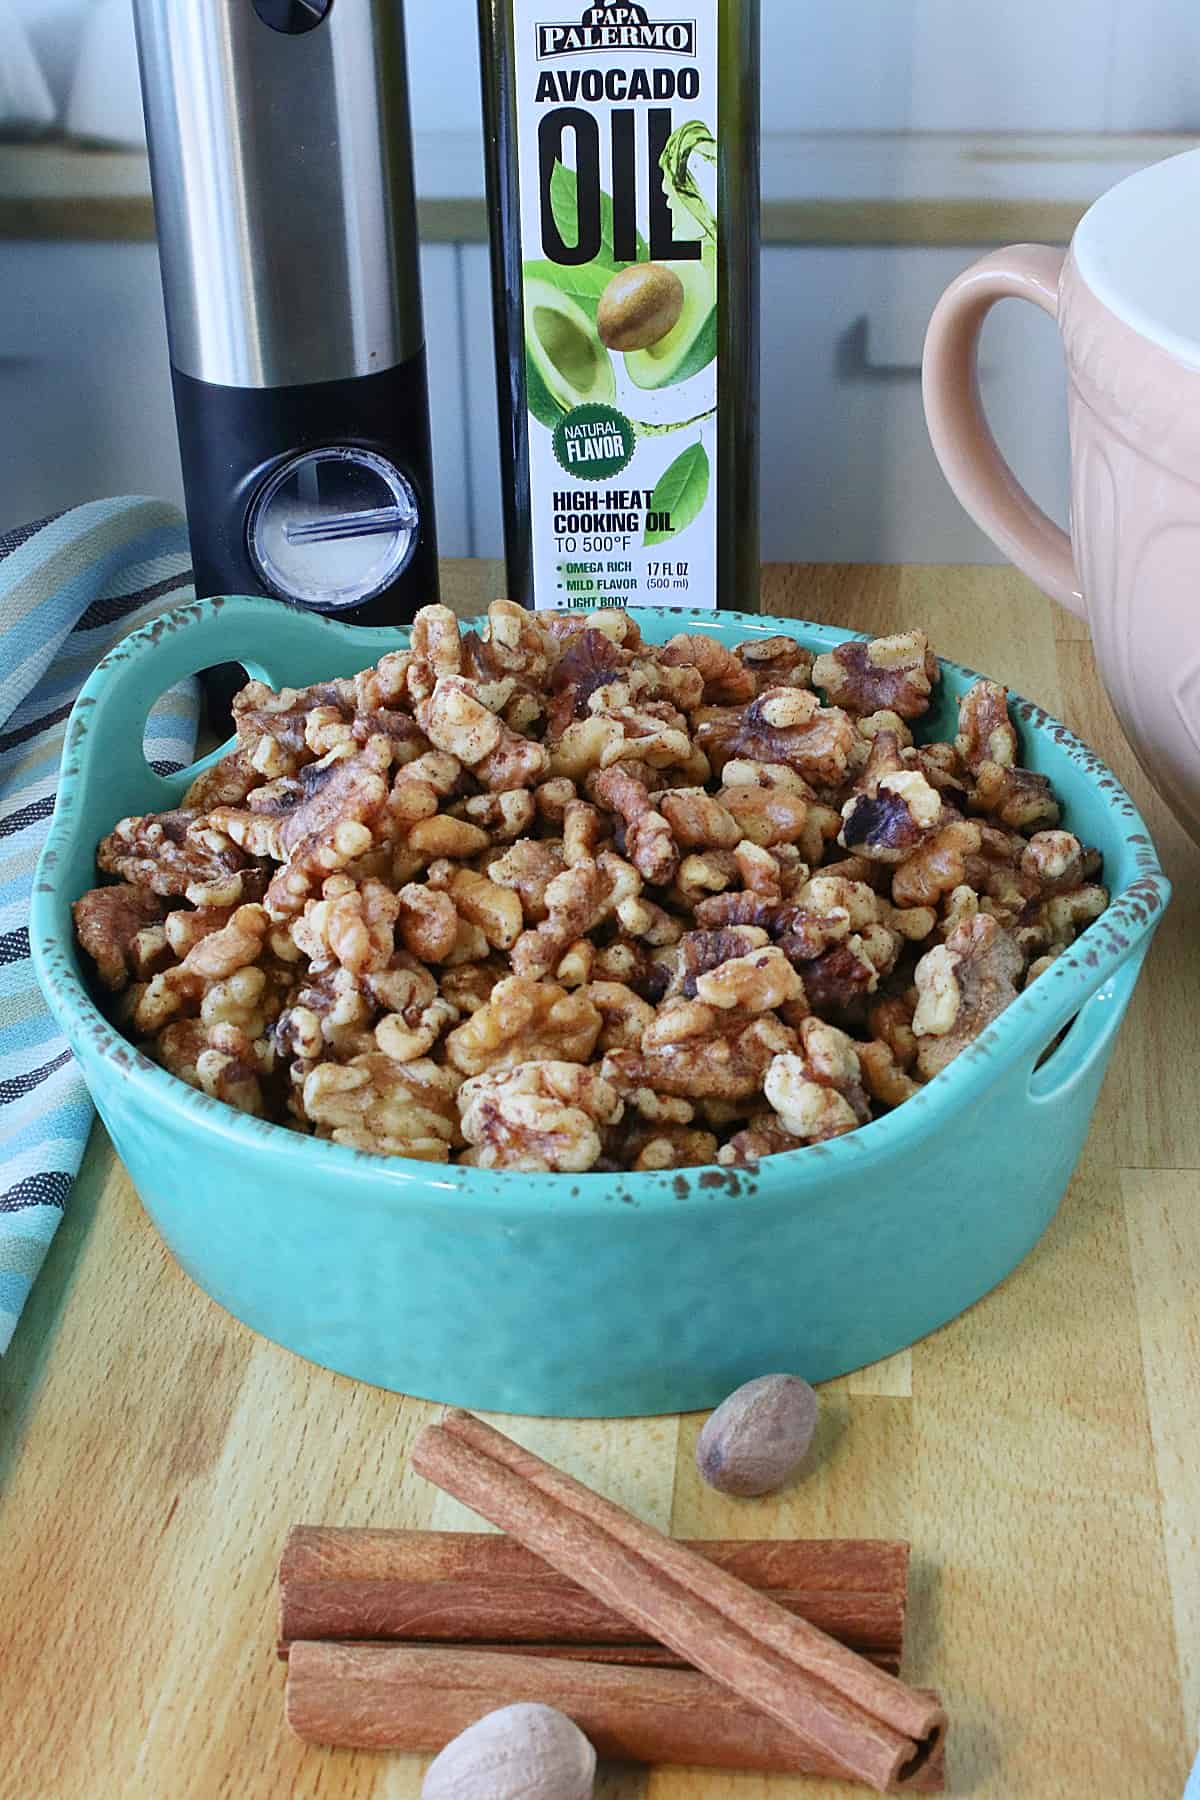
(281, 164)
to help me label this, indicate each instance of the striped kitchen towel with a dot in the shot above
(70, 587)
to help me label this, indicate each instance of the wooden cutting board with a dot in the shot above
(1040, 1452)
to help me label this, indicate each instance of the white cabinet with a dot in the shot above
(447, 405)
(483, 431)
(85, 386)
(848, 474)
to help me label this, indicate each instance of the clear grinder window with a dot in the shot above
(332, 527)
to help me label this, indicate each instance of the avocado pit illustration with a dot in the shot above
(640, 306)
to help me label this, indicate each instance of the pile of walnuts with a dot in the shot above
(546, 897)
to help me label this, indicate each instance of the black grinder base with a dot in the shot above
(230, 442)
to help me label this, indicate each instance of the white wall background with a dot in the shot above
(873, 65)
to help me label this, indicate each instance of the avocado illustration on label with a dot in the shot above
(691, 343)
(640, 305)
(566, 364)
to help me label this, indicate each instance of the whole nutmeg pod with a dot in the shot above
(523, 1752)
(640, 305)
(757, 1437)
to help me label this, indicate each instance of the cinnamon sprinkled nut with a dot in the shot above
(724, 889)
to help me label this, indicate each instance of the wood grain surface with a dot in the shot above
(1040, 1452)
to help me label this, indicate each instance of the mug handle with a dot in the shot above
(962, 438)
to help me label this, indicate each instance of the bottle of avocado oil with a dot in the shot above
(623, 191)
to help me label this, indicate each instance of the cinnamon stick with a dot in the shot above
(629, 1656)
(864, 1721)
(353, 1553)
(399, 1697)
(647, 1656)
(478, 1588)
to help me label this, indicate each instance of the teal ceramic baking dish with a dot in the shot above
(590, 1295)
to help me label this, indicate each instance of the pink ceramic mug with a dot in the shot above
(1127, 300)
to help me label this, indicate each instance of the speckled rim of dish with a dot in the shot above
(1030, 1023)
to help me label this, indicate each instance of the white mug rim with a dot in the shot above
(1132, 250)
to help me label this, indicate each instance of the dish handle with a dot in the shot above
(1077, 1032)
(108, 723)
(1087, 1039)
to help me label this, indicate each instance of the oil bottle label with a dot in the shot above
(617, 133)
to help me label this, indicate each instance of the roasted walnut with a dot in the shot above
(226, 784)
(120, 928)
(649, 840)
(499, 860)
(1055, 923)
(537, 1116)
(1020, 798)
(181, 855)
(884, 1077)
(896, 673)
(427, 922)
(1058, 862)
(985, 731)
(701, 1051)
(577, 901)
(353, 925)
(766, 815)
(763, 1136)
(890, 823)
(817, 1092)
(962, 985)
(525, 1021)
(625, 1015)
(455, 718)
(701, 951)
(782, 725)
(639, 1145)
(728, 680)
(503, 816)
(272, 727)
(776, 662)
(417, 1014)
(757, 982)
(938, 865)
(318, 827)
(375, 1103)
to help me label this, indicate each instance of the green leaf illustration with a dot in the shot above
(681, 492)
(584, 284)
(564, 205)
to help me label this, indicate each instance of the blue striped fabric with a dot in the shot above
(70, 587)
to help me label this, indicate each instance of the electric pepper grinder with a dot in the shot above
(281, 163)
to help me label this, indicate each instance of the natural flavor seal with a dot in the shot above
(594, 441)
